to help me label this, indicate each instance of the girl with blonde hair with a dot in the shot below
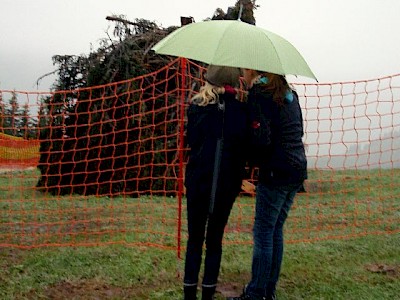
(216, 132)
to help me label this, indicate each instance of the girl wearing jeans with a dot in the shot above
(278, 151)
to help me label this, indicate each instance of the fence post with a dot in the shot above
(183, 63)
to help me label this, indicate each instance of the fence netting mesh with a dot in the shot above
(105, 164)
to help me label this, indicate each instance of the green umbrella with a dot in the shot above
(235, 44)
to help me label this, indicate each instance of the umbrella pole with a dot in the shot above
(217, 166)
(217, 161)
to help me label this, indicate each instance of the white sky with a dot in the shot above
(342, 40)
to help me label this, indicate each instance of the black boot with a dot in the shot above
(190, 292)
(207, 292)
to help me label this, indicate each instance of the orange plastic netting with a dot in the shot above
(16, 152)
(104, 165)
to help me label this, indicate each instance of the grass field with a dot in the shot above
(345, 216)
(360, 268)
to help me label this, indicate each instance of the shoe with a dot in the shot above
(247, 297)
(241, 297)
(271, 297)
(244, 296)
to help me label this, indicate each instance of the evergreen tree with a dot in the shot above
(87, 134)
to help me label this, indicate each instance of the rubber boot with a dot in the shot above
(207, 293)
(190, 292)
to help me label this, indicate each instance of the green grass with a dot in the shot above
(337, 233)
(360, 268)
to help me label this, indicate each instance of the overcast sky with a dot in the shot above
(342, 40)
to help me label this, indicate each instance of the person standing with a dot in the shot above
(216, 131)
(278, 151)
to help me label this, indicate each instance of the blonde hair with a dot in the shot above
(208, 94)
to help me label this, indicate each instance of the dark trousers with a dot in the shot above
(209, 227)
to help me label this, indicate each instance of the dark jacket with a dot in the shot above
(277, 130)
(204, 127)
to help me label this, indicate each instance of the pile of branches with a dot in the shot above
(126, 53)
(67, 143)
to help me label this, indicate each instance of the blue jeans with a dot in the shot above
(272, 208)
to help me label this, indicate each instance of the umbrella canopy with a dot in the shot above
(235, 44)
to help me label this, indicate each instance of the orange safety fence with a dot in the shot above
(109, 161)
(18, 153)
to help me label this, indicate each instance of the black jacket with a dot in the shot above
(276, 140)
(204, 127)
